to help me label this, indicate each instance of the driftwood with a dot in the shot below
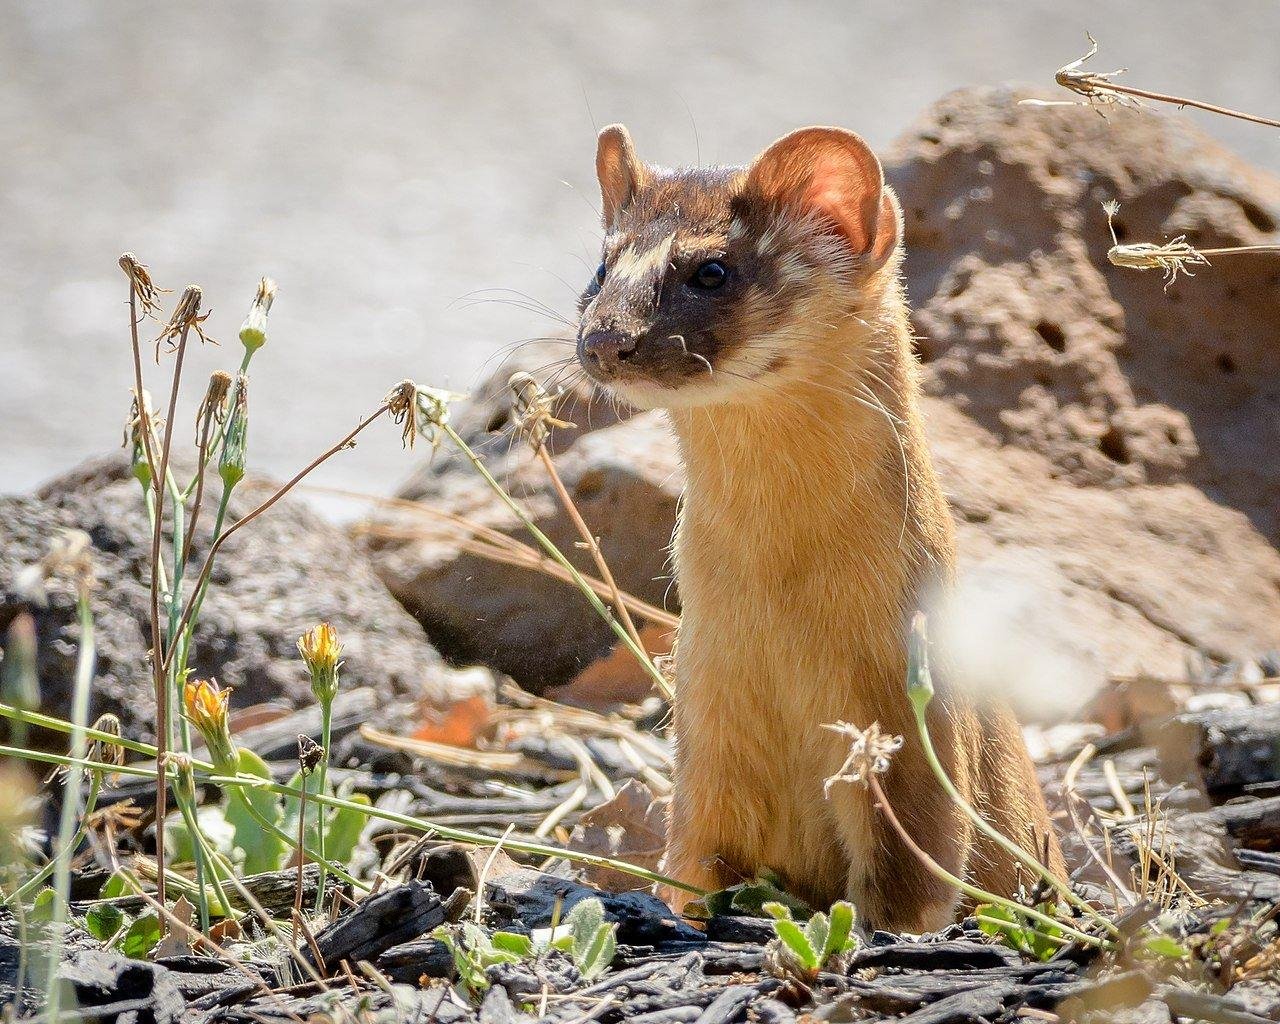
(379, 923)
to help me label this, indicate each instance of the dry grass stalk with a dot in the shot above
(1100, 90)
(1173, 257)
(534, 419)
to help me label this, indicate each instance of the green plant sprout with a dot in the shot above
(808, 949)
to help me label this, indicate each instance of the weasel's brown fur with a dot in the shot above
(812, 527)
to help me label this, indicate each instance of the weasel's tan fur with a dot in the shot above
(812, 527)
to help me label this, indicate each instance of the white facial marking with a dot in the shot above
(633, 267)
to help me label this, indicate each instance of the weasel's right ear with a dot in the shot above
(831, 173)
(621, 174)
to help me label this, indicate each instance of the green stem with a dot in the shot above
(33, 883)
(322, 824)
(554, 552)
(994, 834)
(71, 795)
(237, 782)
(197, 851)
(972, 891)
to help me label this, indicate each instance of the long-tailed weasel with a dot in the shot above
(763, 307)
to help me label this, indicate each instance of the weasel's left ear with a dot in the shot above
(830, 172)
(620, 171)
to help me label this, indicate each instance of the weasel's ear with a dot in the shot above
(832, 173)
(621, 174)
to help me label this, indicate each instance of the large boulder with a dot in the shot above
(1026, 328)
(1105, 440)
(272, 581)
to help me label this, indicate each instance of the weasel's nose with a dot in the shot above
(606, 351)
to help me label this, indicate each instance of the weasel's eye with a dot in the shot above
(711, 274)
(600, 273)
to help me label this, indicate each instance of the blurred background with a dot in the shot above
(387, 163)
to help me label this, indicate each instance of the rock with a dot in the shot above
(278, 577)
(1035, 336)
(1105, 442)
(625, 480)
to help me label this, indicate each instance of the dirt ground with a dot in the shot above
(382, 167)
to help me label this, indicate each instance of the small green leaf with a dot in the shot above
(117, 885)
(142, 937)
(513, 942)
(583, 921)
(103, 921)
(795, 940)
(1166, 946)
(263, 850)
(840, 936)
(1219, 926)
(776, 910)
(816, 932)
(43, 905)
(599, 955)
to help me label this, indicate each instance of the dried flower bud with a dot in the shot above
(253, 332)
(213, 407)
(310, 753)
(231, 462)
(186, 317)
(320, 649)
(185, 784)
(206, 705)
(402, 404)
(532, 407)
(19, 676)
(104, 751)
(140, 281)
(134, 440)
(919, 678)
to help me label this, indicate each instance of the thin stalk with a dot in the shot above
(995, 835)
(198, 851)
(238, 782)
(158, 655)
(24, 891)
(593, 545)
(549, 547)
(71, 794)
(322, 825)
(972, 891)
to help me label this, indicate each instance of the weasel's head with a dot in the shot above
(718, 285)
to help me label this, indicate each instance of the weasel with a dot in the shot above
(763, 308)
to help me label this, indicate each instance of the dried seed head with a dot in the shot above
(186, 317)
(532, 406)
(140, 281)
(310, 754)
(19, 675)
(104, 751)
(214, 404)
(320, 650)
(207, 708)
(234, 446)
(869, 754)
(253, 332)
(402, 404)
(1173, 257)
